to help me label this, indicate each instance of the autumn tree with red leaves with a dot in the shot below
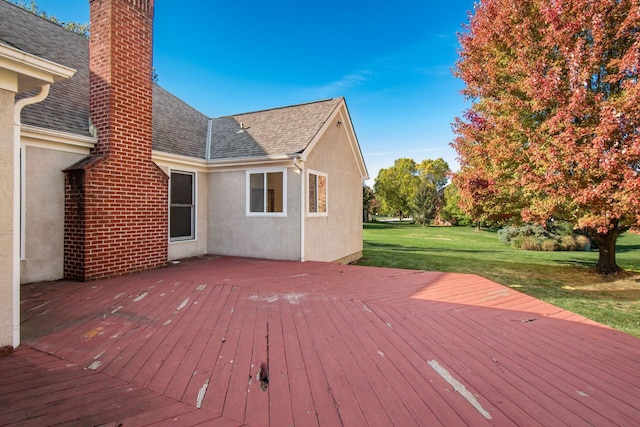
(554, 125)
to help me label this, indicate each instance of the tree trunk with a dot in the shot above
(607, 251)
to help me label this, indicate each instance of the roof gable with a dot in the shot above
(341, 116)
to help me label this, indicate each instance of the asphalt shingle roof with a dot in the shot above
(67, 106)
(177, 127)
(279, 131)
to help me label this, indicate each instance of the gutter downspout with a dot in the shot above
(300, 167)
(18, 207)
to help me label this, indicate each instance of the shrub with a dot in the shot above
(562, 228)
(528, 243)
(534, 237)
(507, 235)
(583, 243)
(568, 243)
(549, 245)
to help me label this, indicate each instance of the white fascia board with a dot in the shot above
(56, 140)
(33, 71)
(162, 158)
(219, 165)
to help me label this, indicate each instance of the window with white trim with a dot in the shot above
(182, 210)
(317, 200)
(266, 192)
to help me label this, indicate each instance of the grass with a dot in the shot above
(565, 279)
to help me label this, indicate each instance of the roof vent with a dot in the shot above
(242, 128)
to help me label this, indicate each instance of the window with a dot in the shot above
(317, 193)
(182, 209)
(266, 193)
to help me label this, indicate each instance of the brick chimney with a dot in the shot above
(116, 210)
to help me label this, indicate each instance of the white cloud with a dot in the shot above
(342, 85)
(402, 153)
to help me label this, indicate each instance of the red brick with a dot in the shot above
(108, 231)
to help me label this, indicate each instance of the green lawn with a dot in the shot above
(565, 279)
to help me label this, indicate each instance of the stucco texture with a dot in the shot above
(233, 232)
(338, 235)
(44, 213)
(6, 213)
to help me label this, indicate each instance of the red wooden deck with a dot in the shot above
(341, 345)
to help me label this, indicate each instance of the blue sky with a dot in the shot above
(392, 62)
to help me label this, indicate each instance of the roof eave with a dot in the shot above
(212, 164)
(33, 71)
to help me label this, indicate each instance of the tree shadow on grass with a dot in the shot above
(403, 248)
(495, 256)
(627, 248)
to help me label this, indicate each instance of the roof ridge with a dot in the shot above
(284, 106)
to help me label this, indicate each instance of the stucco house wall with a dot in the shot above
(336, 236)
(44, 212)
(233, 232)
(6, 213)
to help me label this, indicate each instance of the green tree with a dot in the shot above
(369, 202)
(435, 172)
(434, 175)
(553, 125)
(396, 187)
(425, 204)
(451, 210)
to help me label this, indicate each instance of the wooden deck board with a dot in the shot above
(326, 344)
(468, 357)
(191, 377)
(257, 394)
(375, 365)
(143, 341)
(575, 378)
(218, 372)
(371, 392)
(239, 371)
(542, 364)
(344, 345)
(422, 401)
(325, 406)
(176, 373)
(167, 335)
(424, 345)
(287, 376)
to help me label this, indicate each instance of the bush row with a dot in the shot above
(533, 237)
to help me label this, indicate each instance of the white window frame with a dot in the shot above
(326, 177)
(265, 171)
(194, 204)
